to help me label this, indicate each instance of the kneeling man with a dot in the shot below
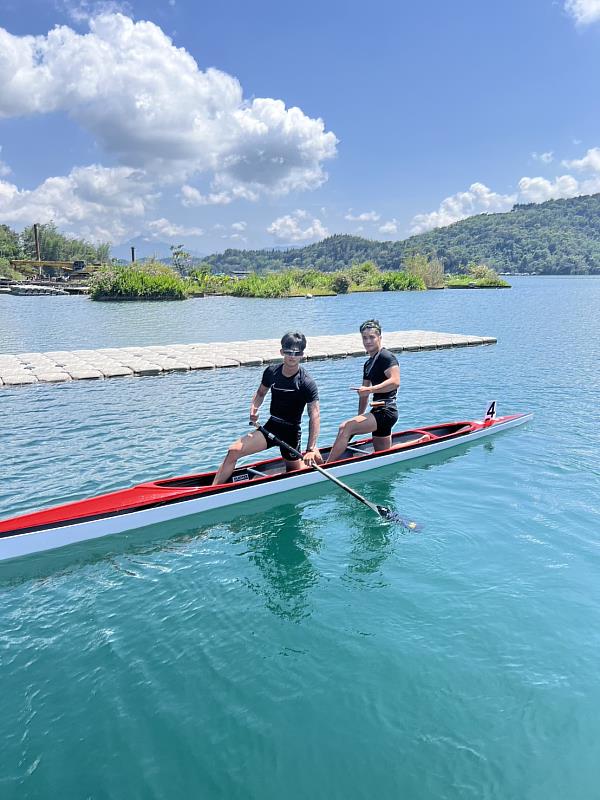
(381, 378)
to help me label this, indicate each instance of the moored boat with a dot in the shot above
(172, 498)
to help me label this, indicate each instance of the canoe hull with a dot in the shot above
(26, 542)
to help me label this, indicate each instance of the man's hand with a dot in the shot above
(253, 415)
(312, 457)
(362, 391)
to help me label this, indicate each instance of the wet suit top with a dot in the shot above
(289, 396)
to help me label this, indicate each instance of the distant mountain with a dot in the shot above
(555, 237)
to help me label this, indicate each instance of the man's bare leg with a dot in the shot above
(363, 423)
(382, 443)
(250, 443)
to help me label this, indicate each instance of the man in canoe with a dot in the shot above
(292, 389)
(381, 378)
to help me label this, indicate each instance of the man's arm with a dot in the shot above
(392, 381)
(257, 402)
(314, 425)
(363, 398)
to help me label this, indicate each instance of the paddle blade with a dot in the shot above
(393, 516)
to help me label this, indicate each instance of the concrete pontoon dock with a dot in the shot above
(59, 366)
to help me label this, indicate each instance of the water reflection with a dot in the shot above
(373, 542)
(281, 544)
(370, 548)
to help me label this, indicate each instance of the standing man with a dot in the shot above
(381, 378)
(292, 389)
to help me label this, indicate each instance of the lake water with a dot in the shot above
(302, 648)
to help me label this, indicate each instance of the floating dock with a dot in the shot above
(60, 366)
(31, 289)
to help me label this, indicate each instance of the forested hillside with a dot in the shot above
(556, 237)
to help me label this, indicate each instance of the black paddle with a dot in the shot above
(381, 511)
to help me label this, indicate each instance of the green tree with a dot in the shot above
(10, 246)
(54, 246)
(180, 258)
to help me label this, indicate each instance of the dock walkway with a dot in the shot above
(59, 366)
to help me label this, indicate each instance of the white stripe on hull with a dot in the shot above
(22, 544)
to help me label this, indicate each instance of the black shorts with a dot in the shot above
(385, 417)
(288, 433)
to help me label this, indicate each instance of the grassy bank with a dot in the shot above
(156, 281)
(299, 283)
(477, 276)
(152, 281)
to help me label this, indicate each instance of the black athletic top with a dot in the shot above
(374, 371)
(289, 396)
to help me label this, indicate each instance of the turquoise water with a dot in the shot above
(302, 648)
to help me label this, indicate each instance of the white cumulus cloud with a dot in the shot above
(389, 228)
(478, 199)
(162, 227)
(366, 216)
(584, 12)
(151, 108)
(148, 104)
(97, 202)
(297, 227)
(239, 226)
(190, 196)
(84, 10)
(538, 190)
(590, 162)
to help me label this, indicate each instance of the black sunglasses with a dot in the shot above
(293, 352)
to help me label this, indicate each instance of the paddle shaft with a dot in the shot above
(320, 469)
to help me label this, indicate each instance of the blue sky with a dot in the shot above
(258, 124)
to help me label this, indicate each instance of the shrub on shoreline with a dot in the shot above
(152, 281)
(477, 276)
(401, 282)
(430, 270)
(365, 277)
(155, 281)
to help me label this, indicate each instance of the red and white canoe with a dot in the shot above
(172, 498)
